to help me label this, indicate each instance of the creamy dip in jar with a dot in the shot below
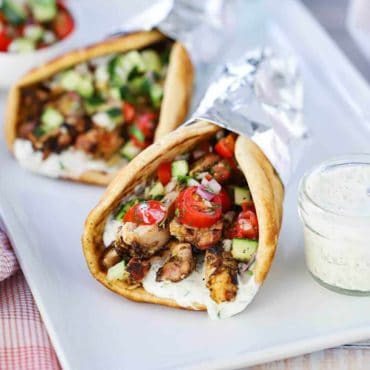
(334, 205)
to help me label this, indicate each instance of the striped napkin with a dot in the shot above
(24, 342)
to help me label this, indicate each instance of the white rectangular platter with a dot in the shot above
(92, 328)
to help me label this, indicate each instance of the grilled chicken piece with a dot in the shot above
(144, 240)
(204, 163)
(69, 104)
(199, 237)
(180, 264)
(137, 269)
(110, 257)
(99, 142)
(221, 274)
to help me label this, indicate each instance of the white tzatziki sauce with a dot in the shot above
(335, 209)
(69, 163)
(192, 291)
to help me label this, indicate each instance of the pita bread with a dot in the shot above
(176, 97)
(264, 183)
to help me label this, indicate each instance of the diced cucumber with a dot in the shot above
(139, 85)
(51, 119)
(94, 103)
(151, 60)
(156, 95)
(33, 32)
(43, 10)
(157, 190)
(179, 168)
(13, 11)
(243, 249)
(21, 45)
(101, 76)
(69, 80)
(130, 150)
(115, 93)
(121, 66)
(85, 87)
(117, 272)
(241, 195)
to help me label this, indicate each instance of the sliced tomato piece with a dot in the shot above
(192, 210)
(221, 171)
(246, 225)
(164, 173)
(225, 200)
(146, 122)
(5, 40)
(149, 212)
(63, 23)
(128, 111)
(225, 147)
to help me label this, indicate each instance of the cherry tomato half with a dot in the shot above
(225, 147)
(146, 123)
(4, 40)
(128, 111)
(164, 173)
(149, 212)
(193, 210)
(63, 23)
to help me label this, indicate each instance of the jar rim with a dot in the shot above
(343, 160)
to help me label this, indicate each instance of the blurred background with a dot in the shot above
(343, 19)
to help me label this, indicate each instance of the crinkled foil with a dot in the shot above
(199, 24)
(260, 96)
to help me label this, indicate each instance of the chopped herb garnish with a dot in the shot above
(137, 134)
(177, 212)
(249, 272)
(183, 179)
(125, 207)
(114, 112)
(38, 131)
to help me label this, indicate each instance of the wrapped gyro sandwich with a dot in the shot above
(193, 221)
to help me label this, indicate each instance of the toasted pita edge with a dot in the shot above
(268, 193)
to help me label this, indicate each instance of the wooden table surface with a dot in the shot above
(331, 14)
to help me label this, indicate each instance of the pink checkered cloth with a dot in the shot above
(24, 342)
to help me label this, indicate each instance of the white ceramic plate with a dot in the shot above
(92, 328)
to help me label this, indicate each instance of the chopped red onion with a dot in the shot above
(214, 186)
(204, 193)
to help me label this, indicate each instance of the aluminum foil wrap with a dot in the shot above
(200, 25)
(260, 96)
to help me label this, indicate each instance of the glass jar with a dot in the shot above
(334, 206)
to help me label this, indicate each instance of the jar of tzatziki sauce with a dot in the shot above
(334, 205)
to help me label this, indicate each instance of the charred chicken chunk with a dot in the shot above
(204, 163)
(137, 268)
(199, 237)
(180, 264)
(110, 257)
(221, 274)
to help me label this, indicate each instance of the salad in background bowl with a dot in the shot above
(31, 32)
